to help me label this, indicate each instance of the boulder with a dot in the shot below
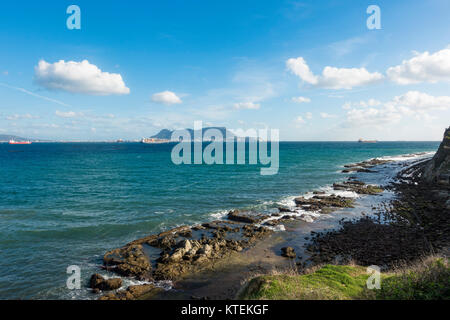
(288, 252)
(100, 283)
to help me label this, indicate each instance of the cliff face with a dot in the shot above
(438, 169)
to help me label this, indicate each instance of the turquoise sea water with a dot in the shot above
(65, 204)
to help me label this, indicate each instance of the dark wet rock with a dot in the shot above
(284, 209)
(100, 283)
(129, 261)
(358, 187)
(437, 170)
(364, 166)
(324, 204)
(247, 217)
(222, 226)
(415, 224)
(356, 169)
(276, 214)
(288, 252)
(272, 223)
(145, 291)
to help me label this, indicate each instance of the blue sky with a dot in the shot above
(311, 69)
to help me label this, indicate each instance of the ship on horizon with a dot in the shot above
(19, 142)
(367, 141)
(154, 140)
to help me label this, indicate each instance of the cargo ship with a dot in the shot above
(367, 141)
(154, 140)
(19, 142)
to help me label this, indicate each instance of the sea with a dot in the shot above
(66, 204)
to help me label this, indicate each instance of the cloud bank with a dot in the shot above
(332, 78)
(412, 103)
(424, 67)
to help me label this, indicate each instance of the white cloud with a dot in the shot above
(424, 67)
(308, 115)
(411, 104)
(300, 68)
(21, 116)
(247, 105)
(299, 120)
(344, 78)
(67, 114)
(419, 101)
(78, 77)
(166, 97)
(301, 99)
(333, 78)
(364, 104)
(325, 115)
(372, 116)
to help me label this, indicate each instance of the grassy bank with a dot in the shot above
(429, 279)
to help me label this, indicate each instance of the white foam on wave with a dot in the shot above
(219, 214)
(409, 156)
(126, 282)
(328, 190)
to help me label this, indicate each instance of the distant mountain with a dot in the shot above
(163, 134)
(6, 137)
(167, 134)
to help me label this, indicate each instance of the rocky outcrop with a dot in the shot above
(98, 282)
(145, 291)
(246, 217)
(129, 261)
(323, 204)
(288, 252)
(437, 170)
(363, 166)
(358, 187)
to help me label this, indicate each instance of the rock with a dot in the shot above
(288, 252)
(323, 203)
(100, 283)
(206, 250)
(437, 169)
(283, 209)
(236, 215)
(129, 261)
(186, 245)
(358, 187)
(95, 281)
(146, 291)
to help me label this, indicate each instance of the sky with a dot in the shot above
(314, 70)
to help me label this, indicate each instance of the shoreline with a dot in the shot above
(182, 254)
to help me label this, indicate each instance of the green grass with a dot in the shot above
(330, 283)
(427, 280)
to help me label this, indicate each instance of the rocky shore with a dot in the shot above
(400, 231)
(415, 224)
(186, 250)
